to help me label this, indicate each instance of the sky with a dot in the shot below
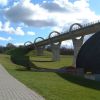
(25, 20)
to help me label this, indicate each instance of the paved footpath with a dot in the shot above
(12, 89)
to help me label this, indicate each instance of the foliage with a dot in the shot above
(5, 49)
(66, 51)
(10, 45)
(63, 50)
(2, 49)
(18, 57)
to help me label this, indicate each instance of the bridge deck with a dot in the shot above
(87, 29)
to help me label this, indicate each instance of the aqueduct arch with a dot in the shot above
(29, 44)
(39, 49)
(77, 43)
(55, 47)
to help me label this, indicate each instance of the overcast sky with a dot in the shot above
(25, 20)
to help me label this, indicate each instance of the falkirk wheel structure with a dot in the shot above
(89, 55)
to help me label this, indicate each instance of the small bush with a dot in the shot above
(18, 57)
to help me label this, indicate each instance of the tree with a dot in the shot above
(2, 49)
(10, 46)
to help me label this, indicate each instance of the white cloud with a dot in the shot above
(53, 7)
(31, 33)
(55, 13)
(0, 25)
(5, 39)
(87, 37)
(19, 31)
(57, 28)
(18, 44)
(30, 14)
(8, 29)
(67, 43)
(3, 2)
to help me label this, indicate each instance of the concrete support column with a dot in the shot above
(55, 47)
(39, 49)
(55, 52)
(77, 43)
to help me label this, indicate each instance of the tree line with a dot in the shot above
(63, 50)
(9, 46)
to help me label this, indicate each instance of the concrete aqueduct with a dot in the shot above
(71, 34)
(82, 30)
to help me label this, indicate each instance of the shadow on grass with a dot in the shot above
(42, 61)
(35, 68)
(40, 69)
(21, 69)
(81, 81)
(19, 58)
(74, 79)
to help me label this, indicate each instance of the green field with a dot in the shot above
(53, 86)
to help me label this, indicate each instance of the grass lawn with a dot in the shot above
(46, 62)
(54, 86)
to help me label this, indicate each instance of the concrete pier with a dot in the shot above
(55, 52)
(55, 47)
(39, 49)
(77, 43)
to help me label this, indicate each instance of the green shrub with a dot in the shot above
(18, 56)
